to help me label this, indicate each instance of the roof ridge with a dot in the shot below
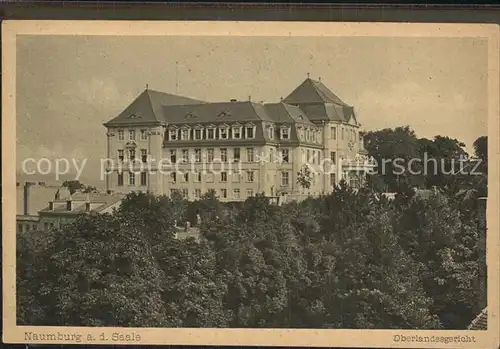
(151, 103)
(313, 84)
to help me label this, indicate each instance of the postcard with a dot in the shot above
(291, 184)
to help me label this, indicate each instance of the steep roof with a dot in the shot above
(312, 91)
(282, 112)
(215, 112)
(480, 322)
(148, 108)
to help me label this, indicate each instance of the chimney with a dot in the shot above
(319, 79)
(26, 198)
(281, 99)
(69, 203)
(188, 225)
(87, 203)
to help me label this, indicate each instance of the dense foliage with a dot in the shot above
(350, 259)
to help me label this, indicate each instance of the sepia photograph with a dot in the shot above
(251, 182)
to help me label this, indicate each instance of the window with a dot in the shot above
(172, 192)
(285, 157)
(184, 193)
(45, 226)
(333, 133)
(186, 177)
(308, 135)
(143, 178)
(197, 134)
(300, 132)
(271, 155)
(131, 178)
(250, 176)
(131, 135)
(237, 132)
(285, 133)
(223, 177)
(284, 178)
(185, 134)
(342, 133)
(144, 135)
(308, 156)
(121, 136)
(223, 193)
(249, 131)
(210, 177)
(223, 133)
(20, 228)
(236, 153)
(120, 179)
(333, 157)
(332, 179)
(132, 154)
(223, 154)
(250, 155)
(249, 192)
(173, 177)
(197, 155)
(185, 155)
(236, 193)
(144, 155)
(210, 155)
(236, 177)
(197, 178)
(173, 156)
(270, 131)
(173, 135)
(120, 155)
(197, 193)
(33, 227)
(211, 133)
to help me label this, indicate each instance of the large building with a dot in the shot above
(163, 143)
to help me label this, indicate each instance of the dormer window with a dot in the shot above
(250, 131)
(173, 134)
(285, 132)
(223, 132)
(236, 132)
(198, 133)
(185, 134)
(270, 131)
(211, 133)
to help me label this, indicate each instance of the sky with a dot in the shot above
(68, 86)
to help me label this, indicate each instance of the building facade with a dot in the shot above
(162, 143)
(64, 208)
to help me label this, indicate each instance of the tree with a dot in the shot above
(73, 186)
(444, 243)
(304, 177)
(393, 149)
(102, 273)
(481, 152)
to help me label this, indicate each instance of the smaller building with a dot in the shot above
(64, 208)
